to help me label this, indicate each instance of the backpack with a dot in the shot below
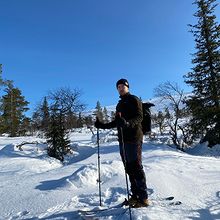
(146, 122)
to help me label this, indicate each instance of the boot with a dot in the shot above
(141, 203)
(133, 200)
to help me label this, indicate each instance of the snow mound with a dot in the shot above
(29, 160)
(7, 150)
(42, 165)
(204, 150)
(88, 175)
(84, 176)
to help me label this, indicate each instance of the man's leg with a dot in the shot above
(130, 174)
(134, 169)
(140, 175)
(137, 179)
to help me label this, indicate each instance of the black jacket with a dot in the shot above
(130, 108)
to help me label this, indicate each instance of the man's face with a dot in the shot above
(122, 89)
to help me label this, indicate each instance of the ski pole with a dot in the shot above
(99, 175)
(125, 163)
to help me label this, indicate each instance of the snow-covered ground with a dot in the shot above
(34, 186)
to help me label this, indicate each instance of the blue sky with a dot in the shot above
(90, 44)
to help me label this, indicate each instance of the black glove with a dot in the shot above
(98, 124)
(121, 122)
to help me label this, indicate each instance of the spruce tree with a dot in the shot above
(14, 106)
(105, 115)
(36, 121)
(62, 102)
(45, 115)
(204, 104)
(98, 111)
(57, 139)
(1, 80)
(25, 127)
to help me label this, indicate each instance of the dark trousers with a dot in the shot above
(133, 166)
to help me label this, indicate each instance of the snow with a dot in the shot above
(35, 186)
(204, 150)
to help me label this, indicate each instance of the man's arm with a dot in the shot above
(137, 119)
(109, 125)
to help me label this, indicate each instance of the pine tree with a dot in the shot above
(204, 104)
(105, 115)
(62, 102)
(14, 106)
(36, 121)
(45, 115)
(41, 116)
(25, 126)
(99, 112)
(57, 139)
(1, 80)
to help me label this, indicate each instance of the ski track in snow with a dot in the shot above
(34, 186)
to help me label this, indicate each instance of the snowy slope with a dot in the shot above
(34, 186)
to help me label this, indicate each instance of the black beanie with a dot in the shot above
(122, 81)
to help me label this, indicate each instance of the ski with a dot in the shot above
(167, 199)
(175, 203)
(100, 209)
(95, 214)
(124, 205)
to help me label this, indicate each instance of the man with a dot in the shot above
(128, 120)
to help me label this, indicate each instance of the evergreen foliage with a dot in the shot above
(204, 104)
(13, 108)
